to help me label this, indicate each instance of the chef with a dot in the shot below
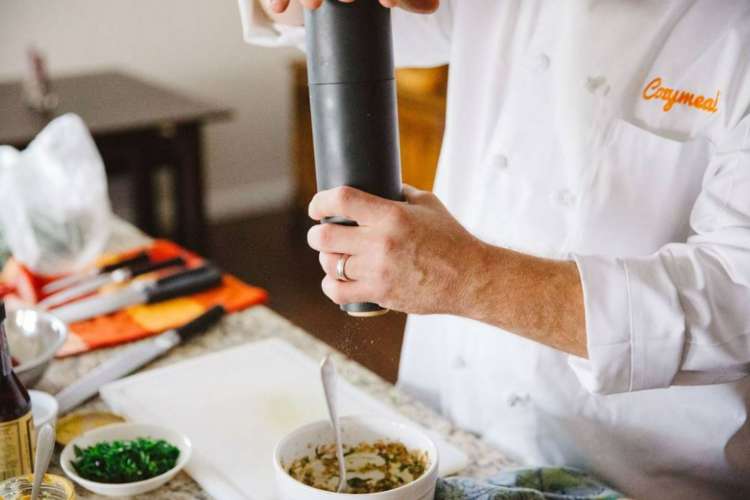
(579, 282)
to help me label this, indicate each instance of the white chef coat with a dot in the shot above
(561, 141)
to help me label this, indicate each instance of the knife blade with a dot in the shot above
(70, 280)
(142, 292)
(133, 358)
(120, 275)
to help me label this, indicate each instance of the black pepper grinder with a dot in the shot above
(353, 103)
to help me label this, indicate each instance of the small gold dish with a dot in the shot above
(73, 425)
(53, 488)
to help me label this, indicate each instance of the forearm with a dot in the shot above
(415, 257)
(536, 298)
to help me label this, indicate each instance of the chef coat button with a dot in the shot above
(459, 363)
(566, 198)
(518, 399)
(499, 161)
(542, 62)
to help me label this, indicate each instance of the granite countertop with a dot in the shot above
(254, 324)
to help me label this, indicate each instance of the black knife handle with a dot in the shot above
(201, 323)
(150, 267)
(184, 283)
(138, 259)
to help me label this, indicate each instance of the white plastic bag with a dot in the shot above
(54, 207)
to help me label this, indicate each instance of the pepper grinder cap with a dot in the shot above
(349, 42)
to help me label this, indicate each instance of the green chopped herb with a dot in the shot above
(371, 467)
(125, 461)
(357, 483)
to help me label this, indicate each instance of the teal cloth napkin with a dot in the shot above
(542, 483)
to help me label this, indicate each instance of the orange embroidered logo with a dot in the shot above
(655, 90)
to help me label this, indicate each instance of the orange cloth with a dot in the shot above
(143, 321)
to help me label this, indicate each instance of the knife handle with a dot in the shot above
(138, 259)
(184, 283)
(150, 267)
(201, 323)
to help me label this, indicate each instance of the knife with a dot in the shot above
(142, 292)
(120, 275)
(59, 284)
(133, 358)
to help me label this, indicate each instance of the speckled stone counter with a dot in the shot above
(249, 326)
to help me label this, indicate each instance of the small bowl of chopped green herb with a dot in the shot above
(385, 460)
(125, 459)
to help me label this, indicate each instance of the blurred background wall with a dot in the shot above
(194, 46)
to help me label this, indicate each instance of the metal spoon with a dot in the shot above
(328, 375)
(45, 443)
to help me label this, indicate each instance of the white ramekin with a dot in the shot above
(126, 431)
(355, 430)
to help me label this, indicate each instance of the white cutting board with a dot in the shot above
(236, 404)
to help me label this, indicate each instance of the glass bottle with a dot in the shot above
(16, 424)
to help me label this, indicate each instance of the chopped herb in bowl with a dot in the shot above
(371, 467)
(125, 461)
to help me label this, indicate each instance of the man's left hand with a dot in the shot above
(413, 257)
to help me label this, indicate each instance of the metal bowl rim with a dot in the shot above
(62, 333)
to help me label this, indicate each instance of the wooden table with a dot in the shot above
(137, 127)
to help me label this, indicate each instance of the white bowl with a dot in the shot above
(355, 430)
(43, 408)
(126, 431)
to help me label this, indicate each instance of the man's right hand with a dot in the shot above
(290, 11)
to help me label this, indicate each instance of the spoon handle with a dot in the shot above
(328, 375)
(45, 443)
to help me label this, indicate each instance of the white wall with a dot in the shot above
(194, 46)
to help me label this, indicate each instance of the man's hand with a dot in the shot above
(422, 6)
(413, 257)
(290, 11)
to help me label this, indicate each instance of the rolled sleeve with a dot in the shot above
(679, 316)
(634, 325)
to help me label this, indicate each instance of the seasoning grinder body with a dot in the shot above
(352, 89)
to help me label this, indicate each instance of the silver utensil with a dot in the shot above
(120, 275)
(83, 287)
(142, 292)
(329, 378)
(34, 337)
(72, 279)
(45, 443)
(133, 294)
(133, 358)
